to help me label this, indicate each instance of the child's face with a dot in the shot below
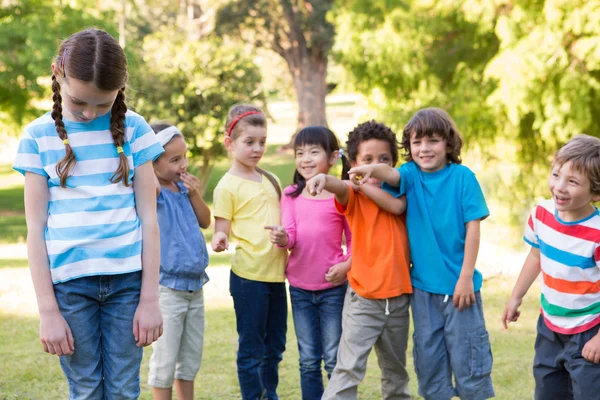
(249, 147)
(173, 162)
(571, 192)
(83, 101)
(430, 153)
(312, 159)
(374, 151)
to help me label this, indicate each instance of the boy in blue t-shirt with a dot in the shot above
(445, 206)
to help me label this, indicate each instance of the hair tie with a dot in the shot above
(119, 149)
(341, 152)
(65, 141)
(235, 121)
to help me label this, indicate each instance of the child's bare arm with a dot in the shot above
(384, 200)
(529, 273)
(55, 333)
(381, 172)
(199, 206)
(220, 240)
(464, 294)
(321, 182)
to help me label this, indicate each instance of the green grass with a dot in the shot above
(28, 373)
(13, 263)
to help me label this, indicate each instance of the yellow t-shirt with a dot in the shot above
(250, 206)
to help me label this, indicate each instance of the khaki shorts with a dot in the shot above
(178, 352)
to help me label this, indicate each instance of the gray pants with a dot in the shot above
(367, 323)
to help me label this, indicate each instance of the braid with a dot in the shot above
(117, 128)
(66, 165)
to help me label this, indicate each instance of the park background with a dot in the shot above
(519, 77)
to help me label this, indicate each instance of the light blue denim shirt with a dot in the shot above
(183, 254)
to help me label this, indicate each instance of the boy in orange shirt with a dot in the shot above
(378, 297)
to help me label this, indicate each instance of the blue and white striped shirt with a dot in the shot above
(93, 227)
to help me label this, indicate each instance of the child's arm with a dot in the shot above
(220, 240)
(381, 172)
(55, 334)
(147, 321)
(338, 272)
(384, 200)
(330, 183)
(464, 293)
(529, 273)
(200, 208)
(284, 235)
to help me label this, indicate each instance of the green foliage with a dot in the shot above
(30, 31)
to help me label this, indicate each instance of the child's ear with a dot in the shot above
(228, 142)
(595, 198)
(334, 157)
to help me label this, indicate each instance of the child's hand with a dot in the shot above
(278, 235)
(220, 242)
(511, 312)
(316, 184)
(361, 174)
(337, 273)
(147, 323)
(55, 334)
(464, 293)
(191, 183)
(591, 350)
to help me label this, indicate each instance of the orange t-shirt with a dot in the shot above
(380, 253)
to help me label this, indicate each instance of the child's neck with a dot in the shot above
(172, 186)
(244, 171)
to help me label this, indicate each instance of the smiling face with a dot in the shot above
(83, 101)
(571, 192)
(249, 147)
(312, 159)
(173, 162)
(374, 151)
(430, 153)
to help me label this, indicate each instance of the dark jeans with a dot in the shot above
(261, 318)
(318, 323)
(559, 369)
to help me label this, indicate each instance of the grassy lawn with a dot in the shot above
(28, 373)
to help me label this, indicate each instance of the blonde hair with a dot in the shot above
(583, 151)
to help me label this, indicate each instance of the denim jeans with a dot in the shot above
(99, 311)
(261, 319)
(450, 342)
(318, 323)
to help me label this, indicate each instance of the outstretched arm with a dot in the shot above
(384, 200)
(381, 172)
(330, 183)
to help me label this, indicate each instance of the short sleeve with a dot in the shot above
(223, 203)
(473, 201)
(348, 208)
(406, 178)
(530, 235)
(144, 145)
(28, 157)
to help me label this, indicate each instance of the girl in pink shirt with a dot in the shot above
(313, 231)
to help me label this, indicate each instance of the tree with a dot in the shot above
(299, 32)
(192, 84)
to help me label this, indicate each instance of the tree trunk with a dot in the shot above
(310, 83)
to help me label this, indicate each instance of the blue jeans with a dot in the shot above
(261, 319)
(450, 342)
(318, 322)
(99, 311)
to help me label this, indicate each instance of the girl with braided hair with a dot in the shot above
(90, 205)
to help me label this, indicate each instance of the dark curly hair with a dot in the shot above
(371, 130)
(428, 122)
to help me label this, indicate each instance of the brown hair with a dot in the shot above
(371, 130)
(583, 151)
(249, 120)
(430, 121)
(94, 56)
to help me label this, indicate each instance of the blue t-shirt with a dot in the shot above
(183, 255)
(439, 204)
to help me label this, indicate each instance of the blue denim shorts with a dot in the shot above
(447, 343)
(99, 311)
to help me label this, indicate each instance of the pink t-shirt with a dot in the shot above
(314, 229)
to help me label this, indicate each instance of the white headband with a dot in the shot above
(167, 134)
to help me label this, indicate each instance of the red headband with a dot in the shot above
(235, 121)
